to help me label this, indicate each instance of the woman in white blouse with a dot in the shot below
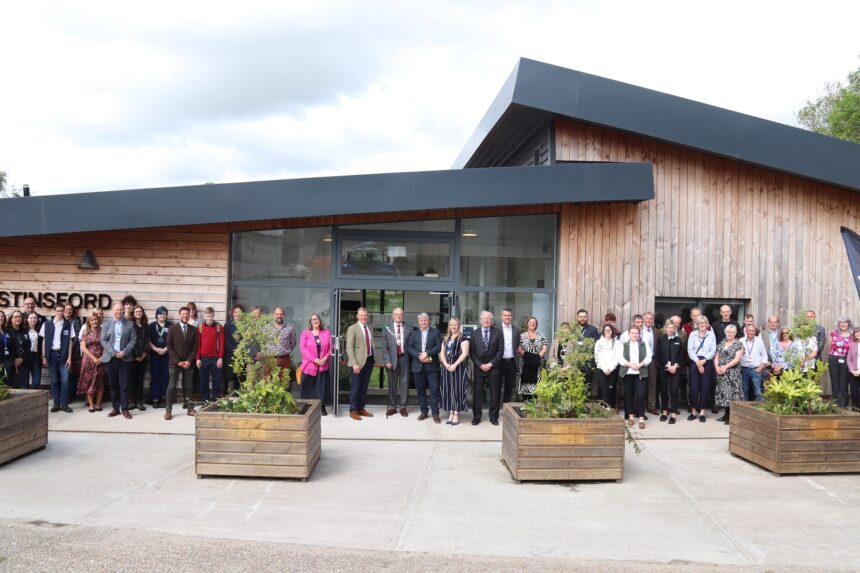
(606, 371)
(634, 356)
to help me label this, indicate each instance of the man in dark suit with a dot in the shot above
(510, 344)
(485, 348)
(182, 350)
(118, 340)
(423, 347)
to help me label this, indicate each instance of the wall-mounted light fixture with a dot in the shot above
(88, 261)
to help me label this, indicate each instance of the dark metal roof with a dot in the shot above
(536, 92)
(325, 196)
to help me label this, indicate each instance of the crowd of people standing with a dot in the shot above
(697, 366)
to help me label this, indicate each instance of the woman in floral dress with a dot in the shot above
(728, 365)
(92, 380)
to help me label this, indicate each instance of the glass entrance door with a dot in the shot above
(439, 305)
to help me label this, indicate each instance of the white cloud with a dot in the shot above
(101, 96)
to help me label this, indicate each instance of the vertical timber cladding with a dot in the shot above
(165, 266)
(717, 228)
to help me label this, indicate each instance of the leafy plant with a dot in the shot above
(578, 350)
(5, 393)
(262, 392)
(797, 393)
(265, 397)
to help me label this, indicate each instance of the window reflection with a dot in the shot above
(283, 254)
(508, 251)
(395, 258)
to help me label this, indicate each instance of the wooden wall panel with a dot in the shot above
(168, 266)
(716, 228)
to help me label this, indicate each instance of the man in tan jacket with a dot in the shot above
(359, 352)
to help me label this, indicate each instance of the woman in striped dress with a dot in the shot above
(453, 356)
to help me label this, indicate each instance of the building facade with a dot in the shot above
(575, 192)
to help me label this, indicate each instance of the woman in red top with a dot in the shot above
(315, 345)
(840, 341)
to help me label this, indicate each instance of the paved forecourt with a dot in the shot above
(683, 502)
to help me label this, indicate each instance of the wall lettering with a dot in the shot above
(15, 298)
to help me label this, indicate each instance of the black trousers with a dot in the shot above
(606, 390)
(118, 374)
(839, 380)
(667, 390)
(491, 379)
(137, 372)
(854, 382)
(635, 395)
(509, 378)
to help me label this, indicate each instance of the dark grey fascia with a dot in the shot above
(559, 92)
(325, 196)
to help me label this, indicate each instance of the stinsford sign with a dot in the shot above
(15, 298)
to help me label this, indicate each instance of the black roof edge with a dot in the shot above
(324, 196)
(600, 101)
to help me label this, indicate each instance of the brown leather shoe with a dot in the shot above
(365, 413)
(126, 414)
(422, 417)
(354, 415)
(390, 412)
(113, 413)
(437, 420)
(192, 412)
(403, 412)
(168, 416)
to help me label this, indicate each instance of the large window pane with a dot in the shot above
(283, 254)
(423, 259)
(508, 252)
(298, 303)
(523, 305)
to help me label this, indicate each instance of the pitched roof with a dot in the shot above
(537, 92)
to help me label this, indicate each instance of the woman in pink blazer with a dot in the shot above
(315, 345)
(854, 369)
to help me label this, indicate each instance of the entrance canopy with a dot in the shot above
(325, 196)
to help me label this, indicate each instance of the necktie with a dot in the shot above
(183, 330)
(486, 339)
(399, 342)
(367, 340)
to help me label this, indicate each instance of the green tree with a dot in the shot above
(837, 112)
(6, 191)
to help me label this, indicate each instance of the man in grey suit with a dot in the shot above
(118, 339)
(396, 361)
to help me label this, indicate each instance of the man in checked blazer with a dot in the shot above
(118, 339)
(359, 353)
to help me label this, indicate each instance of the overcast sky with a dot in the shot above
(112, 95)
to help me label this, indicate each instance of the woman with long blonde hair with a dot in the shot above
(453, 357)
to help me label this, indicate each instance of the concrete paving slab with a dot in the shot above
(343, 427)
(681, 502)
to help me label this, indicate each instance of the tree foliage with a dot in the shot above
(837, 112)
(5, 190)
(259, 394)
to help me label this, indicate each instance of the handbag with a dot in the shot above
(531, 359)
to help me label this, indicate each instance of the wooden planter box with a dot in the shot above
(23, 423)
(562, 448)
(795, 444)
(258, 445)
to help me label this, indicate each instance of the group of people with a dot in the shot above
(715, 363)
(499, 356)
(643, 370)
(85, 356)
